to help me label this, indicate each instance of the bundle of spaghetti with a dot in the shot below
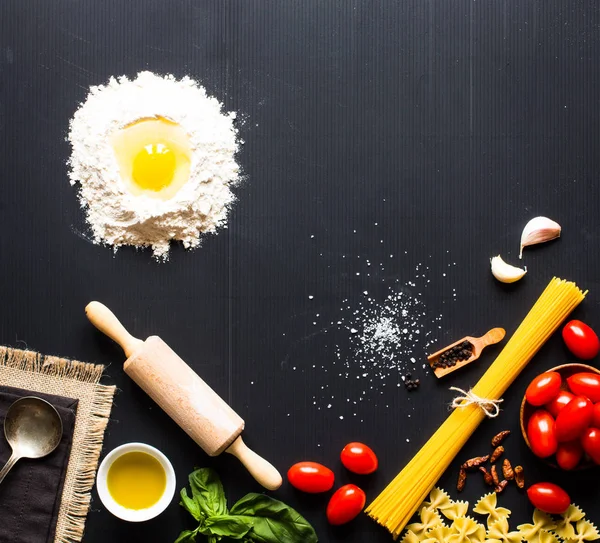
(398, 502)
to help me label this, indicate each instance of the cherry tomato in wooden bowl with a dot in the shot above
(596, 416)
(541, 435)
(311, 477)
(581, 340)
(574, 419)
(585, 384)
(544, 388)
(359, 458)
(560, 400)
(569, 454)
(549, 498)
(345, 504)
(556, 405)
(591, 443)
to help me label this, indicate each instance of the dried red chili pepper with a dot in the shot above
(500, 437)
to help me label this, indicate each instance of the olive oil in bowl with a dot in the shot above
(136, 482)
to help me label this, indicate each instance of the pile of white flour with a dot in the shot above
(116, 216)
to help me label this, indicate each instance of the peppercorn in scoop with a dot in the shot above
(451, 357)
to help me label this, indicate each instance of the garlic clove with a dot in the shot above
(539, 230)
(505, 273)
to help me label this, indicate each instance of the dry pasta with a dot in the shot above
(499, 532)
(543, 529)
(542, 522)
(488, 505)
(456, 510)
(584, 531)
(394, 507)
(564, 527)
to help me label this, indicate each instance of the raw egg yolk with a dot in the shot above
(154, 167)
(154, 157)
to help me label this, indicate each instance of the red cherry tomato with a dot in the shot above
(311, 477)
(549, 498)
(359, 458)
(581, 340)
(541, 434)
(569, 454)
(345, 504)
(562, 399)
(596, 416)
(591, 443)
(586, 384)
(574, 418)
(543, 388)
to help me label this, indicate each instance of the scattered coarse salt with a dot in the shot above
(382, 334)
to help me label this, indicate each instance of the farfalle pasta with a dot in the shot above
(564, 527)
(488, 505)
(467, 529)
(570, 527)
(584, 531)
(499, 532)
(440, 533)
(547, 537)
(438, 499)
(458, 509)
(428, 519)
(541, 521)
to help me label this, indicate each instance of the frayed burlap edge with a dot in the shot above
(72, 379)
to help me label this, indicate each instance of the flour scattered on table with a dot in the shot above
(154, 158)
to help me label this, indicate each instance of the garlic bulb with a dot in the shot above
(505, 273)
(539, 230)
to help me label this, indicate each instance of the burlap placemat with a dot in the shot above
(52, 375)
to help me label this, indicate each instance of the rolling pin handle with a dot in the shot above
(106, 321)
(264, 472)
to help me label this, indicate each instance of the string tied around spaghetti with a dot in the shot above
(491, 408)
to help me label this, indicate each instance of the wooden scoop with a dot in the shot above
(495, 335)
(186, 398)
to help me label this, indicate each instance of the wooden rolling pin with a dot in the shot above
(186, 398)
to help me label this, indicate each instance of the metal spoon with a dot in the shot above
(33, 429)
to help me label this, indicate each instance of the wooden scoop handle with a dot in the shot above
(106, 321)
(264, 472)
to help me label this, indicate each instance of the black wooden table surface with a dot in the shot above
(407, 134)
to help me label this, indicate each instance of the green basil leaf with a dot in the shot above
(230, 526)
(188, 536)
(207, 492)
(273, 521)
(191, 505)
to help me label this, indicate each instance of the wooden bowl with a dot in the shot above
(566, 370)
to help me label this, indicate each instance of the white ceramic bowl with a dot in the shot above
(135, 515)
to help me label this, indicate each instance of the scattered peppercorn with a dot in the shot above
(507, 470)
(519, 477)
(462, 480)
(410, 383)
(499, 438)
(497, 453)
(450, 357)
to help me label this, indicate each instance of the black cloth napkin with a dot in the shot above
(31, 492)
